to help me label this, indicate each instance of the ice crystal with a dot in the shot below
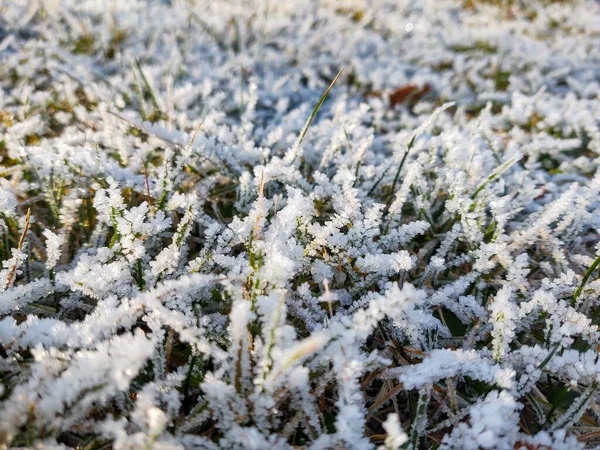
(213, 237)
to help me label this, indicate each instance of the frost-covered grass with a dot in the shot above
(208, 241)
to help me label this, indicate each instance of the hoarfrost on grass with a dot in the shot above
(206, 244)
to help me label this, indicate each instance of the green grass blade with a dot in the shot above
(148, 87)
(293, 152)
(316, 110)
(584, 280)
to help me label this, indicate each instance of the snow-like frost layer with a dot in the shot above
(190, 259)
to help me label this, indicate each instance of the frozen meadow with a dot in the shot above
(319, 225)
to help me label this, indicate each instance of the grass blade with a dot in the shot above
(316, 110)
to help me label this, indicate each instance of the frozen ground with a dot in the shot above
(203, 248)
